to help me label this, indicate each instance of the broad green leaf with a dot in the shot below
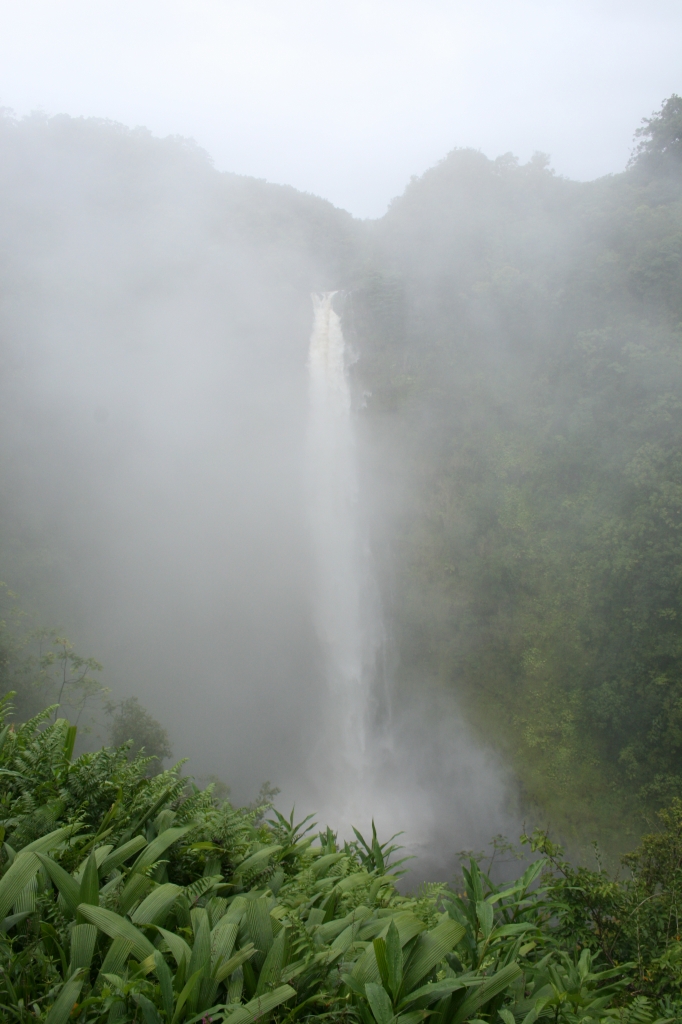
(366, 968)
(429, 950)
(155, 850)
(83, 938)
(12, 883)
(532, 872)
(394, 959)
(216, 906)
(353, 880)
(408, 926)
(52, 840)
(495, 897)
(349, 934)
(184, 996)
(26, 901)
(223, 938)
(345, 939)
(201, 950)
(3, 736)
(410, 1018)
(135, 889)
(235, 986)
(117, 928)
(332, 929)
(355, 986)
(122, 854)
(256, 860)
(224, 970)
(101, 854)
(237, 908)
(270, 972)
(67, 885)
(490, 988)
(9, 922)
(163, 973)
(89, 887)
(154, 909)
(117, 954)
(259, 924)
(434, 990)
(484, 913)
(472, 878)
(180, 951)
(380, 1003)
(512, 929)
(69, 741)
(149, 1011)
(322, 864)
(148, 964)
(261, 1006)
(115, 982)
(379, 945)
(64, 1003)
(315, 919)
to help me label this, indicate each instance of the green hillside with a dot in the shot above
(522, 343)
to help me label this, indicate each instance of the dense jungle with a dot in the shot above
(517, 387)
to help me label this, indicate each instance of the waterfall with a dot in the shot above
(420, 771)
(340, 598)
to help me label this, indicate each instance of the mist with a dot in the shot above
(156, 408)
(156, 459)
(364, 510)
(349, 102)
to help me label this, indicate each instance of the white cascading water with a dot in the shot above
(340, 601)
(424, 774)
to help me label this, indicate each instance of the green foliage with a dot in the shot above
(520, 338)
(633, 921)
(128, 897)
(661, 135)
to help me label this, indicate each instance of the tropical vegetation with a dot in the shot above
(126, 896)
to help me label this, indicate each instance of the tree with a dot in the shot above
(661, 135)
(41, 666)
(133, 723)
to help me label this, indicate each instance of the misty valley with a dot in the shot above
(376, 520)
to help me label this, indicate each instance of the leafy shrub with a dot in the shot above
(129, 897)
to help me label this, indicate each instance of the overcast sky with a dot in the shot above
(349, 99)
